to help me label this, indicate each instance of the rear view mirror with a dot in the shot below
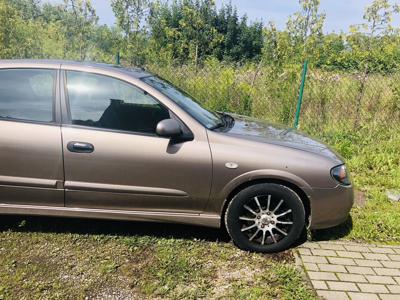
(169, 128)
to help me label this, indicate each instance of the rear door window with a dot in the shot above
(27, 94)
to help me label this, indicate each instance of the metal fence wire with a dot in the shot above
(333, 101)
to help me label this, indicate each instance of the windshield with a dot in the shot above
(186, 102)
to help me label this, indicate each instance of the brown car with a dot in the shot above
(100, 141)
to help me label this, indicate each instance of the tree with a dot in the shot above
(106, 43)
(79, 21)
(191, 30)
(8, 30)
(19, 38)
(368, 43)
(278, 49)
(28, 9)
(379, 17)
(132, 19)
(185, 29)
(199, 36)
(305, 28)
(374, 44)
(240, 40)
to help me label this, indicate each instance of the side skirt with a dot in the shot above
(207, 220)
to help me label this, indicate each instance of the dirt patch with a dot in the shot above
(360, 199)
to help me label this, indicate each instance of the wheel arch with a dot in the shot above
(299, 191)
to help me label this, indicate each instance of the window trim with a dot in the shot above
(181, 91)
(55, 99)
(66, 120)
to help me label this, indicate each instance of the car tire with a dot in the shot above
(265, 218)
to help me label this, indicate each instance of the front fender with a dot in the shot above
(218, 201)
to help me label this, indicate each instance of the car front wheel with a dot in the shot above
(265, 218)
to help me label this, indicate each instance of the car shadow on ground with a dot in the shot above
(333, 233)
(110, 227)
(133, 228)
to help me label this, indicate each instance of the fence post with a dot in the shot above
(118, 59)
(300, 100)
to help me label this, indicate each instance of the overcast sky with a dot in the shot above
(340, 14)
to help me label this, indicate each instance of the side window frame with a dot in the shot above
(66, 118)
(56, 107)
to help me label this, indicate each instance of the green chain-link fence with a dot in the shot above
(356, 113)
(332, 100)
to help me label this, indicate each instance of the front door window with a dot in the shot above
(105, 102)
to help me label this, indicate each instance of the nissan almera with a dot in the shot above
(100, 141)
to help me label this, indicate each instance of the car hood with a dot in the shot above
(259, 131)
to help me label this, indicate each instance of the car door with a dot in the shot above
(113, 158)
(31, 168)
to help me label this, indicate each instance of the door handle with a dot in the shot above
(80, 147)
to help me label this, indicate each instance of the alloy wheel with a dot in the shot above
(265, 220)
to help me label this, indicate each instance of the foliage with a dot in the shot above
(191, 30)
(79, 20)
(241, 42)
(370, 47)
(184, 29)
(9, 29)
(68, 31)
(131, 15)
(376, 41)
(29, 9)
(305, 28)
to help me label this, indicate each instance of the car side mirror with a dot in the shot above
(169, 128)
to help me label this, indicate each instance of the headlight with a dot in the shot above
(340, 174)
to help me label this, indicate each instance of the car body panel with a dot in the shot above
(260, 131)
(270, 162)
(136, 172)
(331, 206)
(140, 177)
(268, 159)
(206, 220)
(146, 164)
(31, 169)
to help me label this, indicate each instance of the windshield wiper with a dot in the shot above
(226, 121)
(218, 125)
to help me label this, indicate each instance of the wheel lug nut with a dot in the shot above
(258, 217)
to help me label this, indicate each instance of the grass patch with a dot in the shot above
(375, 170)
(50, 258)
(285, 283)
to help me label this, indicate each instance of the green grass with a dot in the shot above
(375, 166)
(44, 258)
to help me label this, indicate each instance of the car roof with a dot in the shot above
(51, 63)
